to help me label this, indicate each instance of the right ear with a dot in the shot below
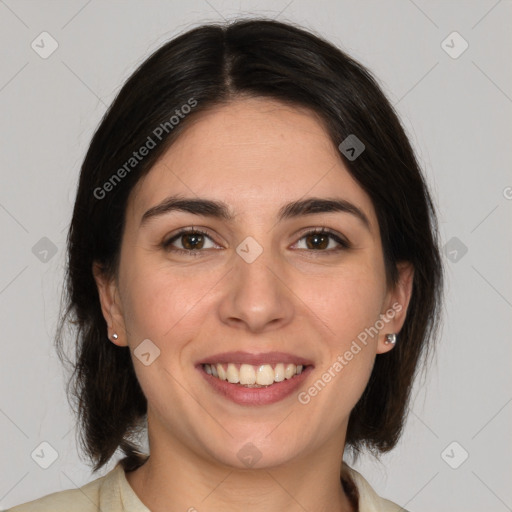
(110, 305)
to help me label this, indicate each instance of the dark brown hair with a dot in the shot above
(210, 66)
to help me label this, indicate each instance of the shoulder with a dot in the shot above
(369, 500)
(89, 498)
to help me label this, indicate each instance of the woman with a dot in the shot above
(255, 275)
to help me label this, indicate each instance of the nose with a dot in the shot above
(257, 297)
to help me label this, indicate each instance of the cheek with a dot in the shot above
(158, 299)
(349, 305)
(347, 302)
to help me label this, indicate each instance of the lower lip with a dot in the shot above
(256, 396)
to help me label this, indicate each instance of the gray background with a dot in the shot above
(458, 114)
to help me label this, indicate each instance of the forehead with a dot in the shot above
(251, 153)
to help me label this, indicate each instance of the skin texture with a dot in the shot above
(255, 155)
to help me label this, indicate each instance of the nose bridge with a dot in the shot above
(256, 295)
(255, 265)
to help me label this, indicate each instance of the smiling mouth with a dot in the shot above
(253, 376)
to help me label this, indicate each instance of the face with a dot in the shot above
(254, 284)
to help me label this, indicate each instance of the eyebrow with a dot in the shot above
(220, 210)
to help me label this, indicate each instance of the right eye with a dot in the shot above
(192, 241)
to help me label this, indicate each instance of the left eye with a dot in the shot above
(322, 240)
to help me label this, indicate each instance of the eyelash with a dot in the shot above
(344, 244)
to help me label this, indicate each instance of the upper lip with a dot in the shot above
(255, 358)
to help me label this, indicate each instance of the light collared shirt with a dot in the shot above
(113, 493)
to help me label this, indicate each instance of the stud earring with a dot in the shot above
(390, 339)
(115, 336)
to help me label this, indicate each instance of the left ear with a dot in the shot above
(396, 304)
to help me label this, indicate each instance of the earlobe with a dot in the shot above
(110, 305)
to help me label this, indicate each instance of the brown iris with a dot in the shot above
(191, 241)
(321, 241)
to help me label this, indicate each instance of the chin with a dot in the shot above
(256, 451)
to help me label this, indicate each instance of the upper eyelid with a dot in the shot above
(343, 240)
(186, 231)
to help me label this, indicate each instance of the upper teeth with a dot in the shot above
(263, 374)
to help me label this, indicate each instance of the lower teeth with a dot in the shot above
(255, 385)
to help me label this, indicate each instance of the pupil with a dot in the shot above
(191, 241)
(323, 244)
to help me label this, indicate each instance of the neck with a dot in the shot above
(174, 478)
